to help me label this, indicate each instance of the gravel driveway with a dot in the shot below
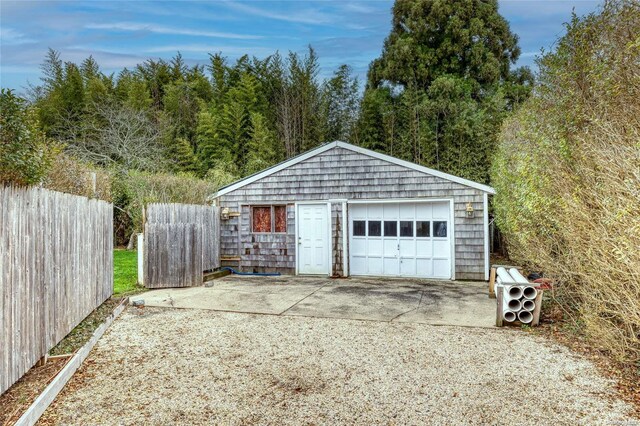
(176, 366)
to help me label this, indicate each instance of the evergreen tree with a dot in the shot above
(341, 101)
(370, 129)
(262, 150)
(219, 77)
(132, 90)
(181, 155)
(212, 148)
(430, 38)
(446, 66)
(235, 130)
(157, 75)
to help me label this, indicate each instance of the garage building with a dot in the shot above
(343, 210)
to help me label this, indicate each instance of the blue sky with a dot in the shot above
(123, 33)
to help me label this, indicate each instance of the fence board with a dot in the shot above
(56, 267)
(180, 242)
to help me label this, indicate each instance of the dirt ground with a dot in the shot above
(188, 366)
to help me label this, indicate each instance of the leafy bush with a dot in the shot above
(67, 174)
(133, 190)
(25, 152)
(567, 174)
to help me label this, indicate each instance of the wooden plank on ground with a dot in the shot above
(537, 309)
(492, 283)
(499, 312)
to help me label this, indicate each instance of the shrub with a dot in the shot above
(567, 175)
(25, 152)
(67, 174)
(133, 190)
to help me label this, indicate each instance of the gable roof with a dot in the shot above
(339, 144)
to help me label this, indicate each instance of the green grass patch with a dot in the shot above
(125, 271)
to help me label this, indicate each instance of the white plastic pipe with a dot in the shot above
(517, 276)
(529, 292)
(528, 305)
(513, 305)
(509, 316)
(512, 292)
(525, 317)
(504, 276)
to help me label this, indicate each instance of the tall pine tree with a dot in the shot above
(446, 66)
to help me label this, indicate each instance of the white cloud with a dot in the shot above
(160, 29)
(307, 16)
(205, 48)
(9, 36)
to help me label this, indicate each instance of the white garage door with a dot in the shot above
(400, 239)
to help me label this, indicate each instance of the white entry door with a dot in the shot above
(313, 239)
(401, 239)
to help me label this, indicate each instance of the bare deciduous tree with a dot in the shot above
(119, 136)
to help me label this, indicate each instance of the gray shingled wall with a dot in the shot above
(340, 173)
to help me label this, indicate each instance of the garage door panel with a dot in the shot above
(391, 266)
(407, 211)
(441, 211)
(374, 266)
(408, 267)
(424, 267)
(358, 247)
(407, 248)
(374, 211)
(358, 211)
(424, 248)
(424, 211)
(374, 247)
(358, 265)
(442, 268)
(390, 247)
(441, 248)
(390, 211)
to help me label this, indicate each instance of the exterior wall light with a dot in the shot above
(224, 213)
(469, 211)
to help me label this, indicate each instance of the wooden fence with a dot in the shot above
(180, 242)
(56, 266)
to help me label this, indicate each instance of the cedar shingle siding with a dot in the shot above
(340, 173)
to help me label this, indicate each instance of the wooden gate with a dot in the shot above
(181, 241)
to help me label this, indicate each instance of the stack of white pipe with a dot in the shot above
(518, 296)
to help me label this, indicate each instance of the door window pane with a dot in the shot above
(439, 229)
(280, 213)
(422, 228)
(390, 228)
(375, 228)
(261, 219)
(359, 228)
(406, 228)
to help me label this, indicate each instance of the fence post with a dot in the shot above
(94, 184)
(140, 247)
